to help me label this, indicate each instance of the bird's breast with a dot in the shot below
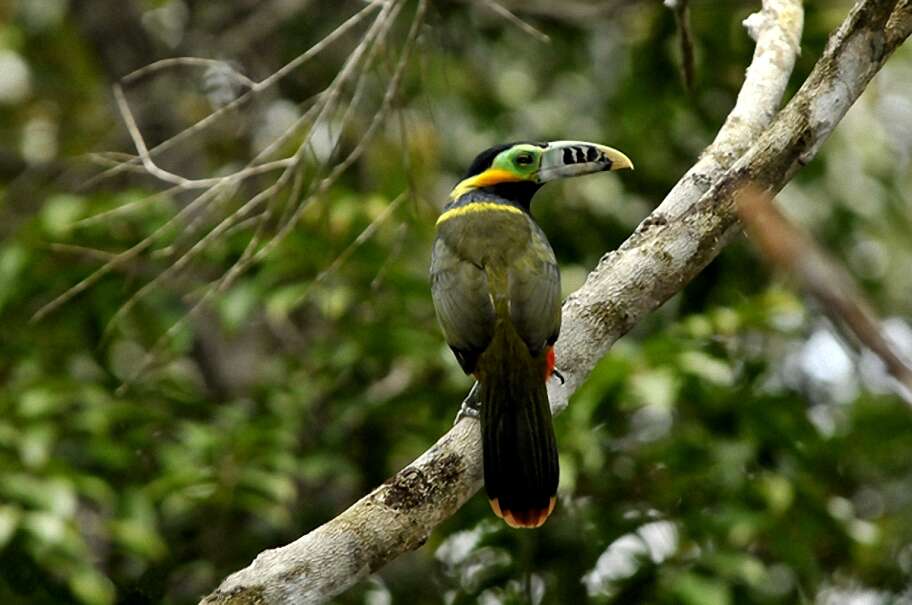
(487, 234)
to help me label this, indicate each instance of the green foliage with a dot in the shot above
(728, 451)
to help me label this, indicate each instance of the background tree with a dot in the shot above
(731, 449)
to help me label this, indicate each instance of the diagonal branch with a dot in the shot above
(787, 246)
(681, 9)
(669, 248)
(226, 110)
(687, 231)
(690, 227)
(399, 515)
(223, 188)
(176, 179)
(250, 255)
(504, 12)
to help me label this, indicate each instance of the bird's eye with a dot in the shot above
(524, 159)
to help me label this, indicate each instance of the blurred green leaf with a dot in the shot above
(142, 460)
(60, 212)
(9, 522)
(92, 587)
(693, 589)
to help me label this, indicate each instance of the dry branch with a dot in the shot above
(399, 515)
(572, 11)
(671, 246)
(214, 192)
(698, 217)
(681, 9)
(223, 188)
(254, 90)
(685, 232)
(790, 248)
(364, 53)
(175, 179)
(504, 12)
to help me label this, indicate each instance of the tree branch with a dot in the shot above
(670, 247)
(681, 9)
(791, 248)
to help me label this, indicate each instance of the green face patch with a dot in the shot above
(522, 160)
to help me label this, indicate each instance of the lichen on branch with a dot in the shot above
(694, 222)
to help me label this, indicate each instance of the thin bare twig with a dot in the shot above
(222, 187)
(248, 257)
(176, 179)
(527, 27)
(90, 253)
(367, 233)
(369, 133)
(173, 62)
(128, 207)
(381, 525)
(574, 12)
(257, 88)
(681, 9)
(791, 248)
(385, 21)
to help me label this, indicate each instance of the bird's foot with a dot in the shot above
(556, 373)
(471, 405)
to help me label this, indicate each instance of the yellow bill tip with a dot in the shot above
(619, 160)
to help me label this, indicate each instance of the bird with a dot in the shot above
(495, 285)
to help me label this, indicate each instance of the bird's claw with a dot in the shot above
(471, 405)
(555, 372)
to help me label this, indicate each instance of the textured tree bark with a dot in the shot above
(698, 216)
(669, 248)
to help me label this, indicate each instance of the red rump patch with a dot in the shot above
(549, 363)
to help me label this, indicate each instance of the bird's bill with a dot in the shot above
(563, 159)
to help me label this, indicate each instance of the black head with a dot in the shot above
(484, 159)
(520, 192)
(515, 171)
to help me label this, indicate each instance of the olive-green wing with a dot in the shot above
(535, 293)
(463, 304)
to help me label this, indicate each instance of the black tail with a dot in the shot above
(521, 469)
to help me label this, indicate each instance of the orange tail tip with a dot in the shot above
(529, 519)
